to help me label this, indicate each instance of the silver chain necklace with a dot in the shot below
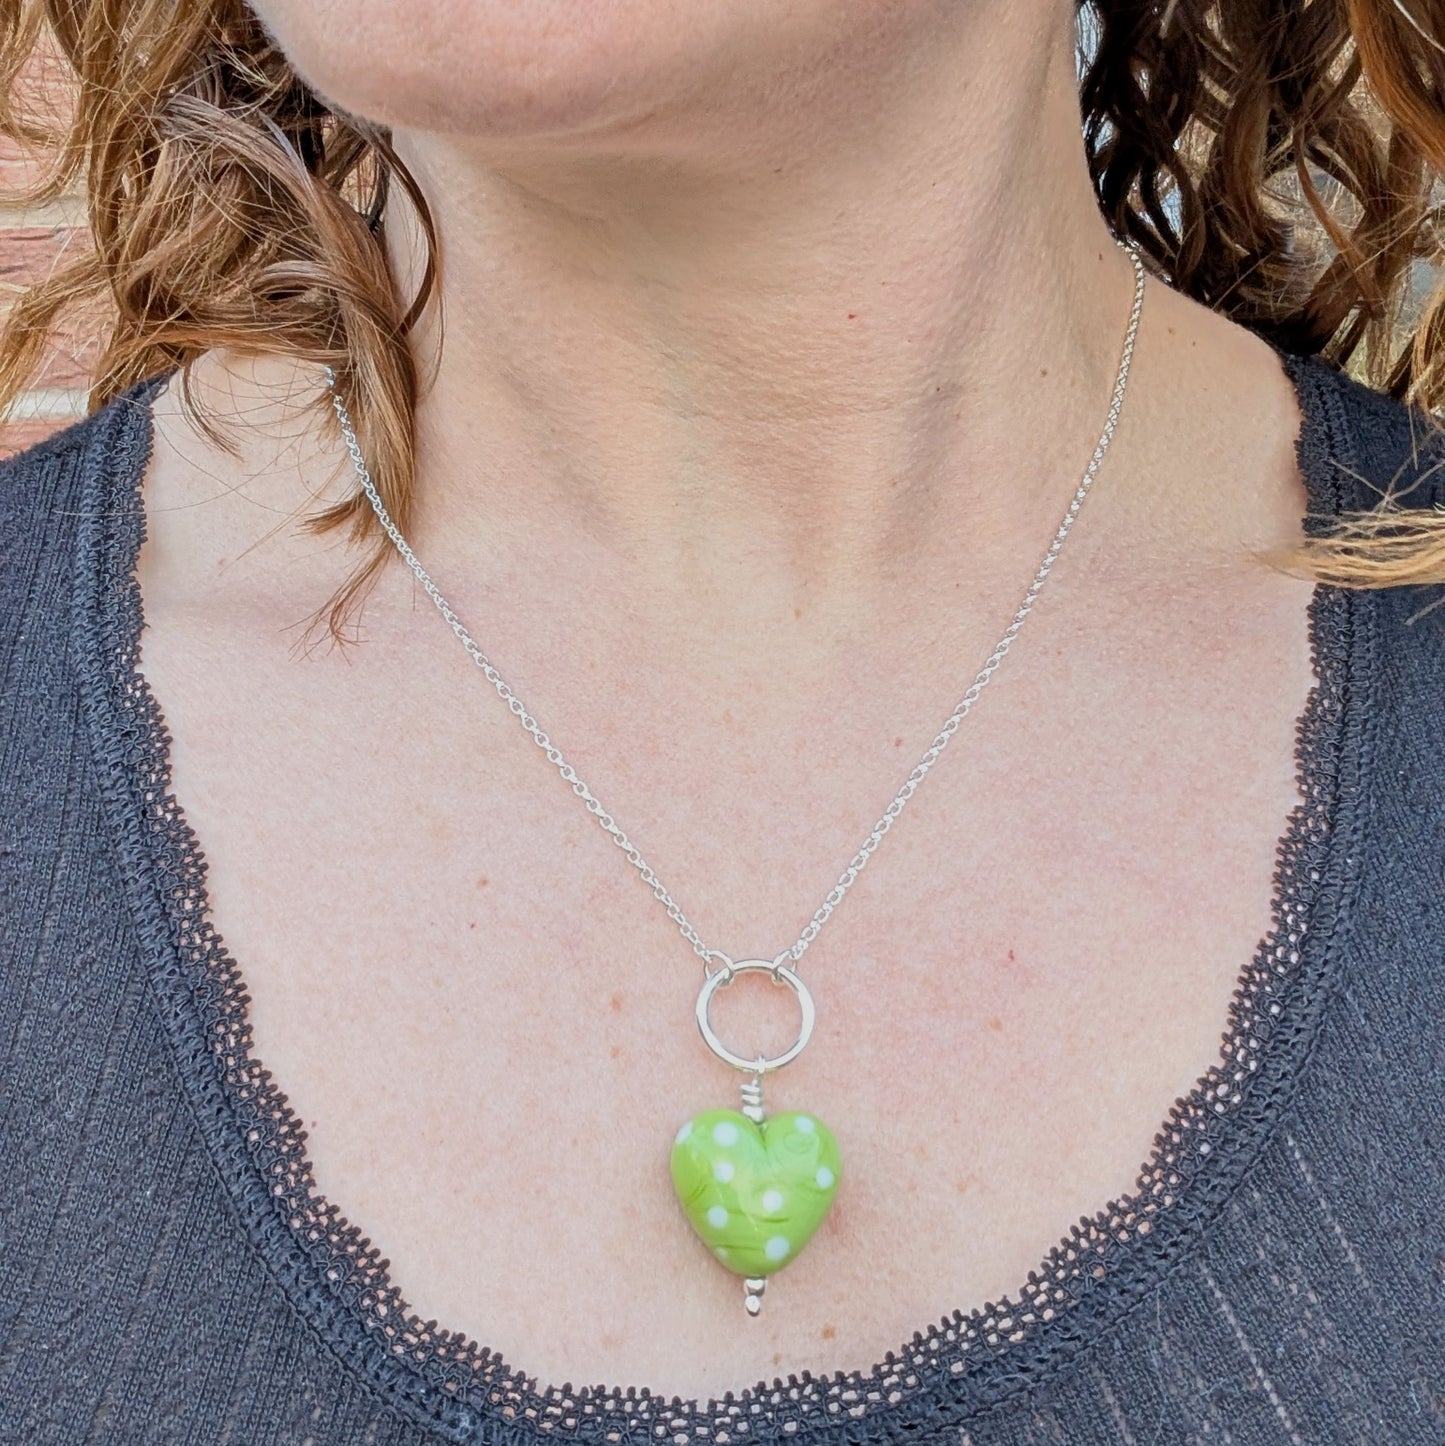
(755, 1188)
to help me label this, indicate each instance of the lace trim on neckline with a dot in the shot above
(948, 1372)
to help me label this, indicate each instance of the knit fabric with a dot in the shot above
(170, 1273)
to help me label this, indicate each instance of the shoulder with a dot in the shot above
(50, 490)
(1370, 447)
(52, 497)
(35, 484)
(61, 502)
(1373, 451)
(42, 487)
(41, 499)
(1365, 451)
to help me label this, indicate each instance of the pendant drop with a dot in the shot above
(755, 1189)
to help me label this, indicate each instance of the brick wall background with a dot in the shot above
(34, 239)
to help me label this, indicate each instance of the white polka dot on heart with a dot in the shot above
(723, 1171)
(777, 1247)
(824, 1177)
(772, 1201)
(725, 1132)
(717, 1217)
(684, 1132)
(805, 1124)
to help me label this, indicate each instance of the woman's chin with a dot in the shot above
(551, 70)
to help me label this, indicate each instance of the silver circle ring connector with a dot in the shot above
(781, 974)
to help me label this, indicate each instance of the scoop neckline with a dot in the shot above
(951, 1371)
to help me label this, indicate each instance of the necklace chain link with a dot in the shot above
(910, 785)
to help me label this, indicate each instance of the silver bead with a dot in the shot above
(753, 1300)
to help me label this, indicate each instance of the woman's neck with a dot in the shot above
(807, 340)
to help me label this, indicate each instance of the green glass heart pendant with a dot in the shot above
(755, 1191)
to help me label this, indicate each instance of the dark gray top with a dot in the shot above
(168, 1273)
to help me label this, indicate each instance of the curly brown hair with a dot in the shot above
(1277, 160)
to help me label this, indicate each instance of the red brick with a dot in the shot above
(42, 93)
(20, 169)
(30, 253)
(27, 254)
(70, 358)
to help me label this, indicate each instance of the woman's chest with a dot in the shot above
(484, 1018)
